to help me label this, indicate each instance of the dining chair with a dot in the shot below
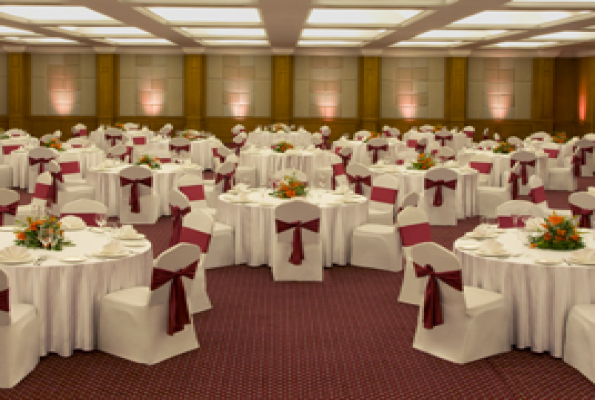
(539, 198)
(469, 132)
(9, 206)
(528, 164)
(361, 135)
(40, 199)
(383, 200)
(79, 142)
(490, 197)
(579, 340)
(79, 130)
(554, 154)
(121, 152)
(360, 178)
(484, 165)
(445, 153)
(38, 159)
(411, 199)
(513, 213)
(541, 136)
(376, 150)
(457, 323)
(566, 177)
(85, 209)
(439, 199)
(223, 182)
(148, 325)
(193, 188)
(238, 143)
(139, 204)
(586, 156)
(70, 166)
(62, 192)
(582, 204)
(166, 130)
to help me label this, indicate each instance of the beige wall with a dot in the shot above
(499, 88)
(151, 85)
(238, 86)
(325, 87)
(62, 84)
(412, 88)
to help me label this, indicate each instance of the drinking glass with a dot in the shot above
(524, 219)
(114, 227)
(322, 181)
(515, 221)
(101, 220)
(46, 237)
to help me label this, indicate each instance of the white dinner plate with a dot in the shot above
(112, 255)
(473, 236)
(575, 261)
(483, 254)
(135, 243)
(97, 230)
(548, 261)
(136, 236)
(73, 259)
(7, 228)
(15, 262)
(74, 229)
(469, 246)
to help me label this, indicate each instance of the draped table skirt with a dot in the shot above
(200, 150)
(67, 295)
(539, 296)
(267, 139)
(360, 153)
(107, 185)
(255, 237)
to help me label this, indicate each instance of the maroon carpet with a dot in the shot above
(347, 337)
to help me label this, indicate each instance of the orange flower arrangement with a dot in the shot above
(28, 234)
(424, 162)
(290, 187)
(54, 144)
(437, 128)
(373, 135)
(282, 147)
(560, 234)
(560, 137)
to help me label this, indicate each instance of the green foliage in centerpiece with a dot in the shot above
(282, 147)
(290, 187)
(560, 137)
(560, 234)
(28, 234)
(54, 144)
(373, 135)
(503, 148)
(424, 162)
(151, 162)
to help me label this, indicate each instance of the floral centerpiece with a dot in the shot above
(559, 234)
(560, 137)
(503, 148)
(151, 162)
(54, 144)
(373, 135)
(189, 135)
(282, 147)
(3, 135)
(437, 128)
(279, 128)
(28, 234)
(424, 162)
(290, 187)
(119, 125)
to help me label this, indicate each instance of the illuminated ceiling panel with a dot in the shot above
(320, 16)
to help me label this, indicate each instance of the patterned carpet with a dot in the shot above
(347, 337)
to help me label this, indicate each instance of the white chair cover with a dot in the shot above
(528, 163)
(360, 178)
(86, 209)
(579, 341)
(142, 178)
(439, 196)
(39, 157)
(520, 208)
(383, 200)
(9, 206)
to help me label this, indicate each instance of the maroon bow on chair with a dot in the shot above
(227, 180)
(41, 161)
(219, 156)
(375, 150)
(514, 179)
(4, 301)
(485, 136)
(178, 149)
(338, 170)
(113, 139)
(177, 213)
(358, 181)
(420, 147)
(345, 159)
(238, 146)
(134, 190)
(432, 303)
(524, 164)
(297, 254)
(8, 209)
(56, 176)
(444, 139)
(178, 306)
(469, 134)
(325, 143)
(428, 184)
(537, 195)
(585, 216)
(583, 152)
(577, 161)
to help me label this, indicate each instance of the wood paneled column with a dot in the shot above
(107, 103)
(282, 89)
(369, 92)
(455, 91)
(17, 89)
(194, 90)
(586, 95)
(542, 97)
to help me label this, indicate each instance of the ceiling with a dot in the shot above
(342, 27)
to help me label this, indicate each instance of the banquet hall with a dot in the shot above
(297, 199)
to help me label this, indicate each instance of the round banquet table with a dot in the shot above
(267, 139)
(413, 181)
(253, 223)
(19, 160)
(360, 153)
(457, 143)
(107, 185)
(502, 163)
(267, 162)
(67, 294)
(200, 150)
(539, 296)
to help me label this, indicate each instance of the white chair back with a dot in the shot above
(8, 197)
(118, 151)
(377, 149)
(445, 153)
(41, 192)
(359, 176)
(520, 208)
(47, 138)
(197, 228)
(79, 142)
(5, 291)
(297, 211)
(70, 166)
(15, 132)
(515, 141)
(86, 209)
(411, 199)
(112, 136)
(180, 147)
(537, 192)
(414, 226)
(541, 136)
(385, 191)
(361, 135)
(166, 130)
(136, 172)
(583, 202)
(192, 186)
(487, 144)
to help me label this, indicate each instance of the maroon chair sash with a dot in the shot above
(41, 162)
(338, 149)
(6, 150)
(338, 170)
(82, 132)
(178, 306)
(420, 148)
(585, 216)
(514, 180)
(551, 153)
(481, 167)
(358, 181)
(193, 192)
(139, 140)
(77, 146)
(506, 221)
(449, 158)
(165, 160)
(412, 143)
(444, 139)
(297, 254)
(432, 303)
(577, 161)
(583, 152)
(178, 149)
(375, 150)
(219, 156)
(134, 191)
(89, 218)
(70, 167)
(400, 161)
(537, 195)
(113, 139)
(325, 142)
(199, 238)
(345, 159)
(469, 134)
(42, 191)
(8, 209)
(237, 146)
(227, 180)
(539, 139)
(524, 165)
(429, 184)
(485, 136)
(56, 176)
(4, 300)
(415, 234)
(177, 214)
(383, 195)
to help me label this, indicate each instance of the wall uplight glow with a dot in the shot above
(152, 100)
(62, 90)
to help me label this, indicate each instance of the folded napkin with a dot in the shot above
(451, 164)
(492, 246)
(14, 253)
(482, 230)
(586, 256)
(534, 224)
(113, 247)
(240, 187)
(127, 231)
(72, 222)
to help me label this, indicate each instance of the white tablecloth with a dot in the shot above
(267, 139)
(107, 185)
(98, 136)
(360, 153)
(255, 234)
(267, 162)
(19, 160)
(67, 295)
(457, 143)
(539, 296)
(200, 150)
(413, 181)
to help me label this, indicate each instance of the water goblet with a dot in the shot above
(45, 236)
(101, 220)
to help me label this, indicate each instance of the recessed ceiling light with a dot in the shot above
(7, 30)
(133, 41)
(526, 19)
(408, 43)
(43, 40)
(341, 33)
(525, 45)
(54, 13)
(325, 16)
(232, 42)
(566, 35)
(101, 31)
(328, 43)
(208, 15)
(459, 34)
(226, 32)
